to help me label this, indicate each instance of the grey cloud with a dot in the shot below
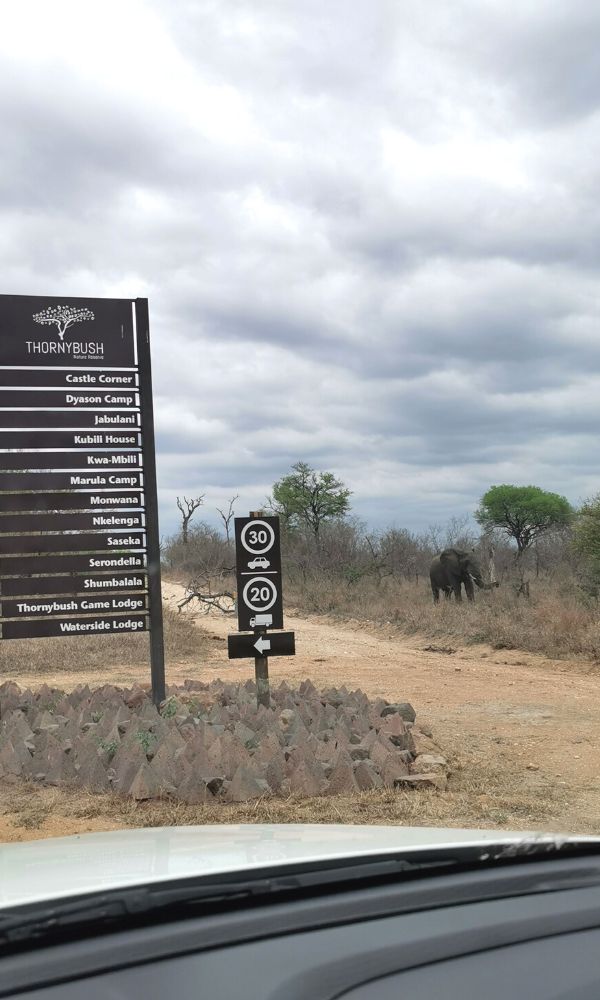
(547, 57)
(369, 235)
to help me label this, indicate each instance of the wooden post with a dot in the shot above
(261, 674)
(261, 663)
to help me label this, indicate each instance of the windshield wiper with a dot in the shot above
(102, 912)
(34, 921)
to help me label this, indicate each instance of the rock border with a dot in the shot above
(208, 742)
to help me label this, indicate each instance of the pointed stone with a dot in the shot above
(65, 708)
(369, 739)
(245, 785)
(392, 769)
(80, 694)
(393, 726)
(217, 715)
(194, 790)
(175, 740)
(268, 748)
(307, 780)
(17, 728)
(342, 780)
(194, 685)
(61, 770)
(45, 744)
(149, 712)
(245, 735)
(168, 763)
(341, 735)
(324, 751)
(275, 772)
(379, 753)
(423, 743)
(366, 776)
(10, 689)
(44, 694)
(126, 763)
(195, 749)
(111, 737)
(122, 714)
(85, 755)
(135, 698)
(144, 784)
(11, 765)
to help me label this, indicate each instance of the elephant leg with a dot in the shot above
(447, 593)
(457, 594)
(436, 594)
(469, 589)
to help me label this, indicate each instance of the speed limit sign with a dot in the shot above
(257, 537)
(258, 571)
(260, 593)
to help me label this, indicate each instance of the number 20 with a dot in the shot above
(260, 594)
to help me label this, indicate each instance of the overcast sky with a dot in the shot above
(369, 232)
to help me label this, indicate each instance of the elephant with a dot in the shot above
(453, 568)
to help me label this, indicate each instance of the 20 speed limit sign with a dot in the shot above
(260, 593)
(258, 572)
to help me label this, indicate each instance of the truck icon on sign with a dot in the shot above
(261, 620)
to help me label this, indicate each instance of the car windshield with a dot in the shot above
(299, 492)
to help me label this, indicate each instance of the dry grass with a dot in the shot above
(478, 796)
(556, 621)
(89, 653)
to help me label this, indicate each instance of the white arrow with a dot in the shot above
(261, 644)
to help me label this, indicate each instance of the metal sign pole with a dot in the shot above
(261, 663)
(157, 651)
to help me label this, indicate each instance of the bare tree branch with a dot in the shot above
(187, 508)
(227, 518)
(211, 602)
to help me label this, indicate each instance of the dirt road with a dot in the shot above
(531, 721)
(520, 731)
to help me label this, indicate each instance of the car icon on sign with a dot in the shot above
(259, 563)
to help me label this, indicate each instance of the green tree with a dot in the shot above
(586, 538)
(524, 513)
(309, 498)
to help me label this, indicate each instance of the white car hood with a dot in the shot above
(68, 866)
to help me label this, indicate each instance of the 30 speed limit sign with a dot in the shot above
(257, 537)
(258, 571)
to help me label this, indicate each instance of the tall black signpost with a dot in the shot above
(259, 598)
(79, 542)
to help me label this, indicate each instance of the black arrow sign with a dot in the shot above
(271, 644)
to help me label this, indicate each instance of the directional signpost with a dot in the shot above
(79, 544)
(277, 644)
(259, 598)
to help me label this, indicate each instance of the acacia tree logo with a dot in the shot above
(62, 317)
